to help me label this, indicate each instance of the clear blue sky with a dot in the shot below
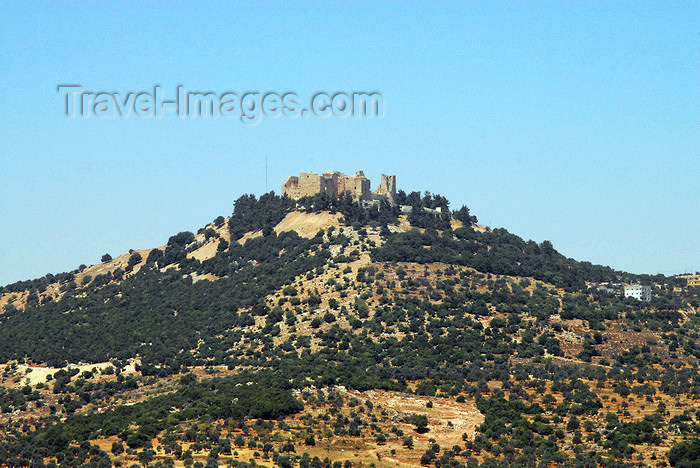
(577, 122)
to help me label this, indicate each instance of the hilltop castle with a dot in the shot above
(334, 183)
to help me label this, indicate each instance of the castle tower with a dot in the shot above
(387, 187)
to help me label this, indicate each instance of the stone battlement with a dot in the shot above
(334, 183)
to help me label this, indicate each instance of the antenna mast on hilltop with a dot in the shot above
(265, 174)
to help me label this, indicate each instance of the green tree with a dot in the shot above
(134, 260)
(288, 447)
(573, 425)
(420, 421)
(465, 216)
(686, 454)
(117, 448)
(146, 456)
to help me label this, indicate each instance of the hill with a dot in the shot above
(322, 333)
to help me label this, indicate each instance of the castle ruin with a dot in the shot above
(335, 183)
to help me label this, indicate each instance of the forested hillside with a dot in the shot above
(417, 339)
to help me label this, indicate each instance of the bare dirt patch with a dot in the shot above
(206, 251)
(447, 421)
(33, 375)
(308, 224)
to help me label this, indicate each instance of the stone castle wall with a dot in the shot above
(334, 183)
